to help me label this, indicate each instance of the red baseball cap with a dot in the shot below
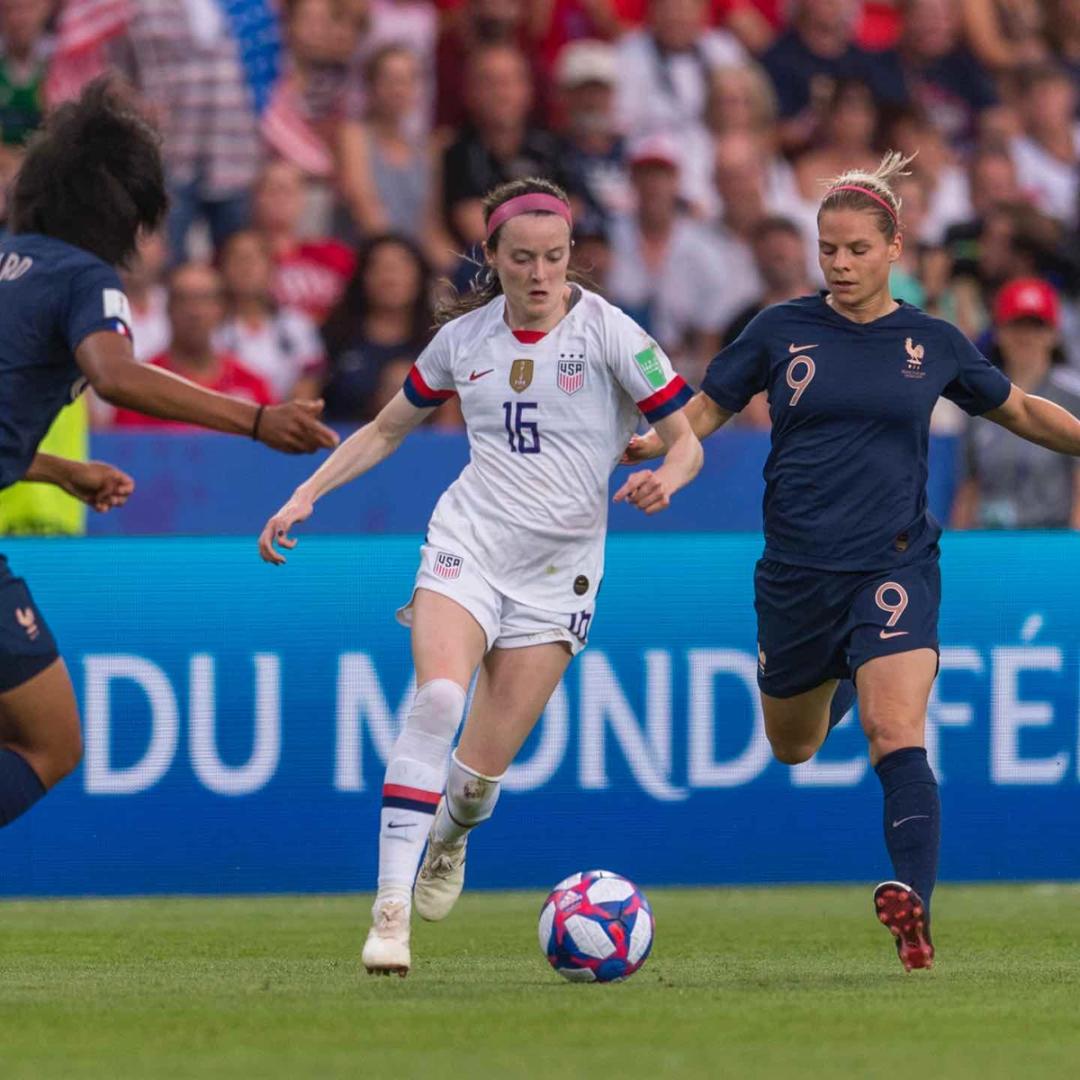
(1027, 298)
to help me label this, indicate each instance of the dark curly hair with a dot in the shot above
(92, 177)
(345, 323)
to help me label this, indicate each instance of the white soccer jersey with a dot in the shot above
(547, 424)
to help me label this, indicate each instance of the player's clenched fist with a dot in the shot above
(277, 529)
(647, 490)
(294, 427)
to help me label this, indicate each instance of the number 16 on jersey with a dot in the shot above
(523, 435)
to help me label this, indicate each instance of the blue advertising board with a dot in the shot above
(237, 717)
(217, 485)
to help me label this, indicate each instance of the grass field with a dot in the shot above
(741, 983)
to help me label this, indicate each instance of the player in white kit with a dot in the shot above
(553, 381)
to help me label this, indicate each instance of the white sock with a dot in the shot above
(470, 799)
(415, 777)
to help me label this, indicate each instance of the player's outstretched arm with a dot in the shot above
(1039, 421)
(704, 415)
(361, 451)
(651, 491)
(108, 362)
(99, 485)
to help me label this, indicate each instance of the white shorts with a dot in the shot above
(506, 623)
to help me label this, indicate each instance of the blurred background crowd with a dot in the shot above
(326, 160)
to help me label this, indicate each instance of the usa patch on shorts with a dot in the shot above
(448, 566)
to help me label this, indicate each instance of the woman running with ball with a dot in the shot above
(552, 381)
(848, 589)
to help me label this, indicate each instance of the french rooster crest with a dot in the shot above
(915, 353)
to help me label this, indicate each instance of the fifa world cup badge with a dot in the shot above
(521, 373)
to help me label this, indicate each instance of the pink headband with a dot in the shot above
(865, 191)
(528, 204)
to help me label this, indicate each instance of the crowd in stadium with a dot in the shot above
(326, 159)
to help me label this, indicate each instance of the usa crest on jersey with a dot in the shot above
(570, 375)
(448, 566)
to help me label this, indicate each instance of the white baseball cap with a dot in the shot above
(585, 61)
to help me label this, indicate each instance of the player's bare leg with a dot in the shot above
(448, 644)
(39, 737)
(893, 695)
(513, 687)
(796, 726)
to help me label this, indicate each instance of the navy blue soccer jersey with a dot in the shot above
(850, 406)
(52, 296)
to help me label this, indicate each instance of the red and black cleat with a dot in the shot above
(900, 908)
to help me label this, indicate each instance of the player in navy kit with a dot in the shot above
(90, 181)
(848, 588)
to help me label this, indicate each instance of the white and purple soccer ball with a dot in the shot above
(596, 927)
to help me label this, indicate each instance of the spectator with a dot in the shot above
(386, 172)
(498, 143)
(470, 29)
(1005, 34)
(740, 183)
(947, 189)
(183, 61)
(991, 183)
(847, 139)
(664, 69)
(385, 315)
(149, 303)
(196, 309)
(595, 152)
(591, 256)
(279, 344)
(1014, 240)
(148, 297)
(309, 274)
(780, 257)
(741, 102)
(664, 272)
(24, 57)
(1008, 483)
(1047, 155)
(309, 99)
(906, 279)
(1063, 36)
(553, 25)
(943, 77)
(818, 49)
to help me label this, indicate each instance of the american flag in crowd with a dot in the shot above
(83, 28)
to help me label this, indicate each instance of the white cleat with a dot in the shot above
(386, 950)
(440, 881)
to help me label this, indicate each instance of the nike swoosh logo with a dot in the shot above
(914, 817)
(480, 374)
(885, 634)
(800, 348)
(400, 824)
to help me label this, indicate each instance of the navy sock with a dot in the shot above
(912, 818)
(20, 787)
(843, 700)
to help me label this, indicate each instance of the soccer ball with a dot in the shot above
(596, 927)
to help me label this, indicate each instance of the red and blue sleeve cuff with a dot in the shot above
(420, 394)
(666, 401)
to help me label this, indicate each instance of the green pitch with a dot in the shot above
(742, 983)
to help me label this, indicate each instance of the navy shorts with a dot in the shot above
(815, 625)
(27, 646)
